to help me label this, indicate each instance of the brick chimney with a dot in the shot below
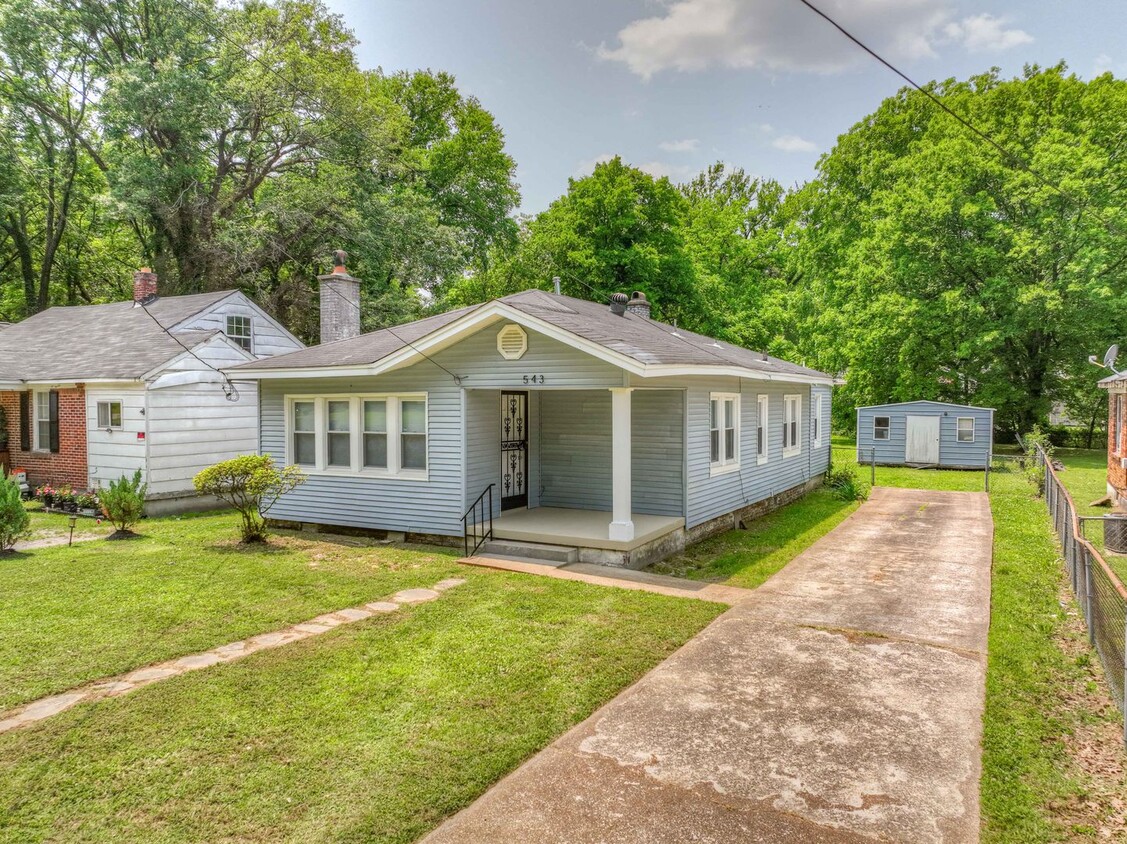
(639, 305)
(144, 285)
(340, 302)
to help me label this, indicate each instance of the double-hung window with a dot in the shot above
(762, 408)
(43, 420)
(240, 330)
(724, 431)
(881, 427)
(1117, 424)
(792, 425)
(965, 433)
(816, 422)
(372, 435)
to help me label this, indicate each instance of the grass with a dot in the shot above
(748, 557)
(371, 732)
(1043, 699)
(1085, 477)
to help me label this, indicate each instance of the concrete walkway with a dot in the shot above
(644, 581)
(38, 710)
(841, 703)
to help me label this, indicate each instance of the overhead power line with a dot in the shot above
(230, 391)
(1011, 158)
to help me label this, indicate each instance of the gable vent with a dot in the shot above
(512, 342)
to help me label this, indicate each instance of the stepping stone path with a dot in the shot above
(114, 686)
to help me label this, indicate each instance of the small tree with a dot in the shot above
(13, 517)
(123, 502)
(251, 484)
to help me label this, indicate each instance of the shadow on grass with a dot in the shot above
(748, 557)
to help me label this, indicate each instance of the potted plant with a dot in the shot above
(46, 494)
(65, 500)
(88, 504)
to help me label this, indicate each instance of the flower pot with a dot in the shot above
(48, 499)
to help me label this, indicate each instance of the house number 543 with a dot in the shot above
(534, 379)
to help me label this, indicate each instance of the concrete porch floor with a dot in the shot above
(579, 528)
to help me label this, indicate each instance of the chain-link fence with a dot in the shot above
(1101, 594)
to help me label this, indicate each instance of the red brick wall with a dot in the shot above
(68, 466)
(1116, 475)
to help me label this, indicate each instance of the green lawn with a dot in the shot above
(748, 557)
(1085, 477)
(371, 732)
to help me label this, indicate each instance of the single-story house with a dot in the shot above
(1116, 386)
(926, 433)
(589, 428)
(94, 392)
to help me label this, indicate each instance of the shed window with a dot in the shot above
(375, 435)
(966, 429)
(761, 430)
(724, 431)
(304, 433)
(792, 424)
(240, 331)
(109, 415)
(880, 427)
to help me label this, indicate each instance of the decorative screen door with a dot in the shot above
(514, 450)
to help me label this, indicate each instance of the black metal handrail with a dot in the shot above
(471, 521)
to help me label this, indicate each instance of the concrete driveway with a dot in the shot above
(842, 702)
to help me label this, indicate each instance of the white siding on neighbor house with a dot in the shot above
(711, 495)
(111, 454)
(269, 337)
(192, 424)
(952, 453)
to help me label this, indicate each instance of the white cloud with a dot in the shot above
(783, 35)
(587, 166)
(1103, 63)
(793, 143)
(686, 145)
(673, 172)
(986, 33)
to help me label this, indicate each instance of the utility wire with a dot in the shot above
(1010, 157)
(230, 391)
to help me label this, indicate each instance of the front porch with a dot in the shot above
(580, 528)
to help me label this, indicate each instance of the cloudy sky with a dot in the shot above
(673, 85)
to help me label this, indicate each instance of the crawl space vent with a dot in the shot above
(512, 342)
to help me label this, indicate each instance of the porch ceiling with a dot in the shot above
(579, 528)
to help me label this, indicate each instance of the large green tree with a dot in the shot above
(946, 270)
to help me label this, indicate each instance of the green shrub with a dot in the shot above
(251, 484)
(14, 519)
(1032, 467)
(845, 483)
(123, 503)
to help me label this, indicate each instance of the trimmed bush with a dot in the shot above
(14, 519)
(123, 503)
(251, 484)
(844, 482)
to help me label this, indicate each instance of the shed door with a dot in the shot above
(922, 445)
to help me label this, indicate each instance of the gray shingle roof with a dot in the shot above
(646, 341)
(86, 342)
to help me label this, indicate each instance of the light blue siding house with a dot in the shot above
(573, 424)
(926, 433)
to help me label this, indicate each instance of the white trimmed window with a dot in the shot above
(109, 415)
(881, 427)
(724, 431)
(792, 425)
(816, 422)
(762, 405)
(241, 330)
(354, 434)
(966, 429)
(42, 420)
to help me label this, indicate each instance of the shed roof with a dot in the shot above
(118, 341)
(926, 401)
(636, 338)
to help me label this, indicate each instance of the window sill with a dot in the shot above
(793, 452)
(761, 460)
(715, 469)
(367, 474)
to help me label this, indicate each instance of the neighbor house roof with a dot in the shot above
(1116, 379)
(118, 341)
(629, 338)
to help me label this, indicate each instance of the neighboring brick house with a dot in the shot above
(1116, 387)
(95, 392)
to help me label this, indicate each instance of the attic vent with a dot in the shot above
(512, 342)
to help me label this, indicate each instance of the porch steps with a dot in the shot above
(538, 552)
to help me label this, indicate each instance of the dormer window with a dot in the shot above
(240, 331)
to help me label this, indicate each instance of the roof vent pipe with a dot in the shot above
(639, 305)
(556, 284)
(618, 303)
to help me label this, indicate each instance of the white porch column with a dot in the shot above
(622, 523)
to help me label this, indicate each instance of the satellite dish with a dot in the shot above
(1110, 356)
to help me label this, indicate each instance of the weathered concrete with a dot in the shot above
(841, 702)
